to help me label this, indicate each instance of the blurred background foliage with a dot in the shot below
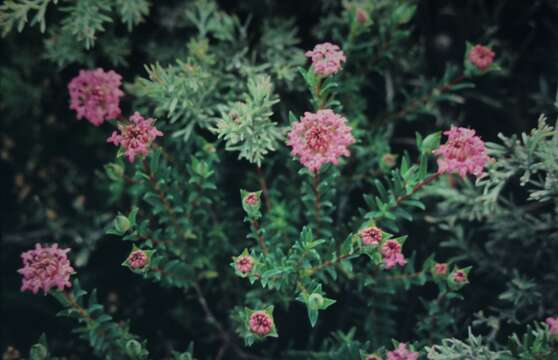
(53, 188)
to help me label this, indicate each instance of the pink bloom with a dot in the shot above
(401, 353)
(372, 357)
(459, 276)
(252, 199)
(552, 325)
(45, 268)
(463, 153)
(361, 16)
(320, 138)
(95, 95)
(136, 136)
(371, 236)
(441, 269)
(391, 251)
(244, 264)
(260, 323)
(481, 57)
(327, 59)
(138, 259)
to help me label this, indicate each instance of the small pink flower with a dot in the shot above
(361, 16)
(372, 357)
(327, 58)
(401, 353)
(138, 259)
(441, 268)
(552, 325)
(459, 276)
(244, 264)
(136, 136)
(481, 56)
(261, 323)
(463, 153)
(95, 95)
(45, 268)
(320, 138)
(391, 251)
(371, 236)
(252, 199)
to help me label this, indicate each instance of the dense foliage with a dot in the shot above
(251, 180)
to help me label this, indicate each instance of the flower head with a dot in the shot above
(252, 198)
(463, 153)
(401, 353)
(459, 276)
(136, 136)
(327, 58)
(552, 325)
(244, 264)
(371, 236)
(441, 269)
(95, 95)
(481, 56)
(44, 268)
(138, 259)
(391, 252)
(372, 357)
(320, 138)
(261, 323)
(361, 16)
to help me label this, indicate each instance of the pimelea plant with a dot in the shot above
(263, 200)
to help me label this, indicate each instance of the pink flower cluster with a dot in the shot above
(463, 153)
(552, 325)
(244, 264)
(481, 56)
(320, 138)
(136, 136)
(95, 95)
(45, 268)
(441, 269)
(402, 353)
(138, 259)
(252, 199)
(260, 323)
(327, 58)
(391, 252)
(459, 276)
(371, 236)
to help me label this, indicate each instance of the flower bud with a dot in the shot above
(315, 301)
(122, 224)
(134, 348)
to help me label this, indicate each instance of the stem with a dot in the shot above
(261, 240)
(317, 205)
(417, 188)
(415, 103)
(263, 186)
(328, 263)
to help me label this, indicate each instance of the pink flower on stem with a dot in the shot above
(361, 16)
(373, 357)
(552, 325)
(327, 58)
(320, 138)
(95, 95)
(260, 323)
(244, 264)
(463, 153)
(138, 259)
(45, 268)
(441, 269)
(401, 353)
(371, 236)
(459, 276)
(252, 198)
(136, 136)
(481, 56)
(391, 251)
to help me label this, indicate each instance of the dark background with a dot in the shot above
(59, 157)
